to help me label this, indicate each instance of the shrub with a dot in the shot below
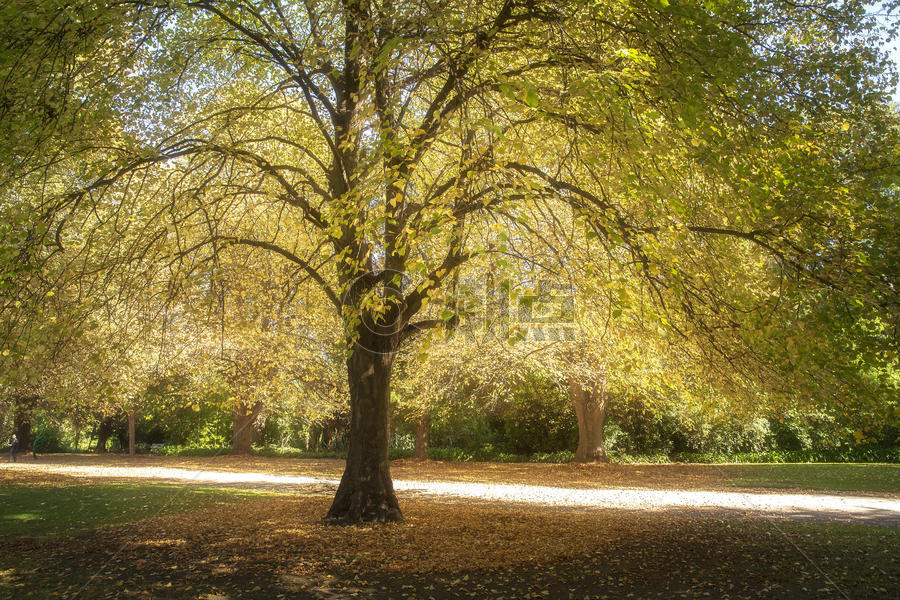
(47, 438)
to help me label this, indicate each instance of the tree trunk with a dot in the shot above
(366, 492)
(327, 433)
(590, 402)
(130, 433)
(313, 434)
(122, 434)
(91, 438)
(23, 430)
(25, 404)
(422, 436)
(103, 432)
(244, 419)
(258, 431)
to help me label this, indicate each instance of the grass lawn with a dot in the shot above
(865, 477)
(48, 510)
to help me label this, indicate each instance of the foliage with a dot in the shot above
(277, 192)
(540, 418)
(47, 436)
(181, 410)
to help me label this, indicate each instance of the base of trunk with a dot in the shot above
(364, 501)
(596, 457)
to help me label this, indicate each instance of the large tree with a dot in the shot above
(379, 146)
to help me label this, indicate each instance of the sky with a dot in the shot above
(895, 54)
(893, 48)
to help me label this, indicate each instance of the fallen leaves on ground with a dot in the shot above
(278, 547)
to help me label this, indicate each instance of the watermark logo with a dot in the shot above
(480, 310)
(546, 314)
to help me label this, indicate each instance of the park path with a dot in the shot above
(808, 506)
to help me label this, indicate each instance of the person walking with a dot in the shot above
(13, 446)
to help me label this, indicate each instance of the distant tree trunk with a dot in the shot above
(591, 404)
(244, 419)
(122, 434)
(131, 433)
(366, 492)
(23, 430)
(103, 432)
(25, 403)
(422, 435)
(312, 436)
(258, 431)
(327, 433)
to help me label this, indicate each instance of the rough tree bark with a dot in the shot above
(244, 421)
(421, 451)
(591, 403)
(366, 492)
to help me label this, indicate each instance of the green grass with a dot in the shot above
(884, 478)
(43, 511)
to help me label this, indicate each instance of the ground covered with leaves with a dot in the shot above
(153, 540)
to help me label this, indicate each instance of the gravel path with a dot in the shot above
(812, 506)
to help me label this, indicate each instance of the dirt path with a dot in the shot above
(563, 487)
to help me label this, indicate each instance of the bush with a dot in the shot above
(849, 454)
(486, 454)
(491, 454)
(560, 456)
(633, 430)
(176, 450)
(540, 419)
(278, 451)
(47, 438)
(639, 458)
(170, 417)
(457, 427)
